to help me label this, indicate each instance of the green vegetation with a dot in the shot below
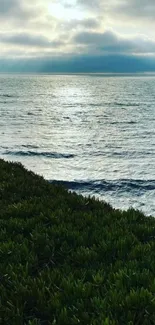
(66, 259)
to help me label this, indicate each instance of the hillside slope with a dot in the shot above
(66, 259)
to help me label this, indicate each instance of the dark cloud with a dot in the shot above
(15, 12)
(12, 8)
(112, 43)
(29, 40)
(9, 6)
(136, 8)
(132, 9)
(80, 64)
(95, 38)
(87, 42)
(92, 4)
(89, 23)
(84, 24)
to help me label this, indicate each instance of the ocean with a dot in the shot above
(95, 134)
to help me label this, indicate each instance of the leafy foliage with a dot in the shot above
(66, 259)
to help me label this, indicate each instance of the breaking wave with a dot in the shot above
(101, 186)
(55, 155)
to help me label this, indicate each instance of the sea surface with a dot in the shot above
(93, 133)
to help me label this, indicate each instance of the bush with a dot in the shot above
(66, 259)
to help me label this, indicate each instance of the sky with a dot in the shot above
(77, 35)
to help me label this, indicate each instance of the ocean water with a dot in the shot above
(93, 133)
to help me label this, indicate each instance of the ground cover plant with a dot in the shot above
(66, 259)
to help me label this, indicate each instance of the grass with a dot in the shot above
(66, 259)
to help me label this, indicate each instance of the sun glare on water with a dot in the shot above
(59, 11)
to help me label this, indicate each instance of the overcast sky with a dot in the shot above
(71, 31)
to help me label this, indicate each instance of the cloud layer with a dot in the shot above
(54, 29)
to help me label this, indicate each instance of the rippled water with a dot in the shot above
(95, 133)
